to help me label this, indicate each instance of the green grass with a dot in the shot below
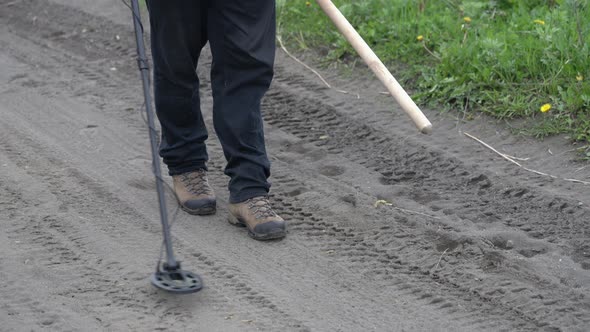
(505, 58)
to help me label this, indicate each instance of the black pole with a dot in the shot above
(142, 61)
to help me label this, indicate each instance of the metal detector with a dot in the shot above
(168, 276)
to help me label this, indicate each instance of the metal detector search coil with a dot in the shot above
(176, 280)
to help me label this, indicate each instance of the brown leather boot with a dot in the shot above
(194, 194)
(257, 215)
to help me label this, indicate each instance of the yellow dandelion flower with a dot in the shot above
(307, 3)
(420, 38)
(545, 108)
(541, 22)
(467, 19)
(579, 77)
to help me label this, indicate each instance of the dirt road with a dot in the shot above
(470, 242)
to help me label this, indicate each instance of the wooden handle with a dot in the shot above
(371, 59)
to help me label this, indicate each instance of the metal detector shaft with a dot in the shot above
(145, 72)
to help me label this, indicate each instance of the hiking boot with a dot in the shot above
(194, 194)
(257, 215)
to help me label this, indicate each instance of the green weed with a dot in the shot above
(505, 58)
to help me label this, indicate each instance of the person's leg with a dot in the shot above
(242, 38)
(178, 33)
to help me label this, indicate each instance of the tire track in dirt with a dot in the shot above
(98, 77)
(66, 243)
(402, 255)
(25, 301)
(430, 174)
(392, 265)
(484, 198)
(249, 293)
(258, 304)
(530, 208)
(373, 253)
(243, 288)
(383, 256)
(66, 240)
(300, 117)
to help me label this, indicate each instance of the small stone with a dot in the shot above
(509, 244)
(47, 322)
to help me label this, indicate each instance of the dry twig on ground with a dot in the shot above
(511, 159)
(311, 69)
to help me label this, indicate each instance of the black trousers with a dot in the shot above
(241, 35)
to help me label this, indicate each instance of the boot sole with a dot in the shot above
(202, 211)
(260, 237)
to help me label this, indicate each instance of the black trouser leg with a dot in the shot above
(242, 38)
(178, 33)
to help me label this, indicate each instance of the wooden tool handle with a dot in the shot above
(371, 59)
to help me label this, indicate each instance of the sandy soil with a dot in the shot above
(470, 242)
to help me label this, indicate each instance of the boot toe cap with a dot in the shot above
(269, 230)
(200, 206)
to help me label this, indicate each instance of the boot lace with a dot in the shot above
(196, 182)
(261, 208)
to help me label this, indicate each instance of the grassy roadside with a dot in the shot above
(507, 58)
